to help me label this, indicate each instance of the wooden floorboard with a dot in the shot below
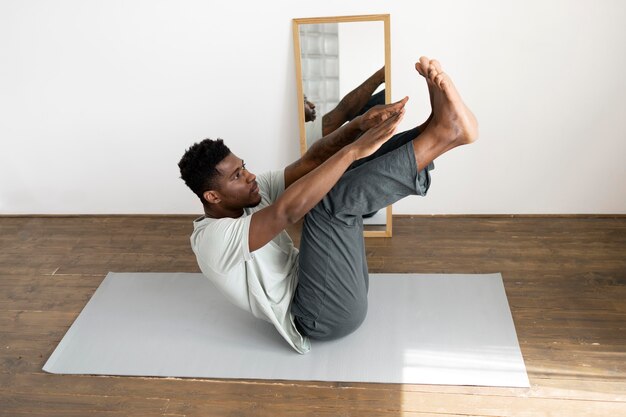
(565, 279)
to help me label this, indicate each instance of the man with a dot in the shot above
(321, 291)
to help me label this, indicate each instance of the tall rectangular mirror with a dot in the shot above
(338, 58)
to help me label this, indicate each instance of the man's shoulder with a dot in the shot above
(207, 229)
(207, 223)
(272, 178)
(271, 185)
(221, 243)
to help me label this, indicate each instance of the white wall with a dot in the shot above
(361, 53)
(99, 99)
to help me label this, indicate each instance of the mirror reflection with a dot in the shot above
(342, 75)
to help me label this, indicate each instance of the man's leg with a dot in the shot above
(331, 297)
(395, 142)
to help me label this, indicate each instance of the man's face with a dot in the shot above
(309, 110)
(237, 186)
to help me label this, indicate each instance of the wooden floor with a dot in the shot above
(565, 279)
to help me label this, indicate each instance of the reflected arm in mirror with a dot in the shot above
(330, 144)
(350, 106)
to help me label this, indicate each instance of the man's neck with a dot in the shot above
(220, 213)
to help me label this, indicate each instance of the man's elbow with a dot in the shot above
(294, 216)
(290, 212)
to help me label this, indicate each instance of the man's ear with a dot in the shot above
(211, 197)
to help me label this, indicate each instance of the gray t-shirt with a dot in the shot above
(262, 282)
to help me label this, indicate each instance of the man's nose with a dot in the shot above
(250, 176)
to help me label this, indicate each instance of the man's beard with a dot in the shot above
(251, 205)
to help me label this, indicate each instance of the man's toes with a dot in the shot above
(420, 69)
(424, 63)
(440, 79)
(436, 64)
(432, 73)
(446, 85)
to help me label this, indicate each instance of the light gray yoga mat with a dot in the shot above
(420, 329)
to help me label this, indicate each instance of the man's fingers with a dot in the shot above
(404, 100)
(393, 107)
(398, 105)
(382, 112)
(392, 120)
(396, 119)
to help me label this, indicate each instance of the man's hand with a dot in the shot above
(378, 114)
(380, 133)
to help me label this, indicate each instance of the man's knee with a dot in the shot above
(334, 325)
(349, 324)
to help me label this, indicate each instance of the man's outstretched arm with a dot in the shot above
(306, 192)
(327, 146)
(352, 103)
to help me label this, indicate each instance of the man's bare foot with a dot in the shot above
(452, 120)
(418, 67)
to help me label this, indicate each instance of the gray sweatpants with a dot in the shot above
(331, 297)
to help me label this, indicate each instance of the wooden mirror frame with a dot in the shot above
(297, 56)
